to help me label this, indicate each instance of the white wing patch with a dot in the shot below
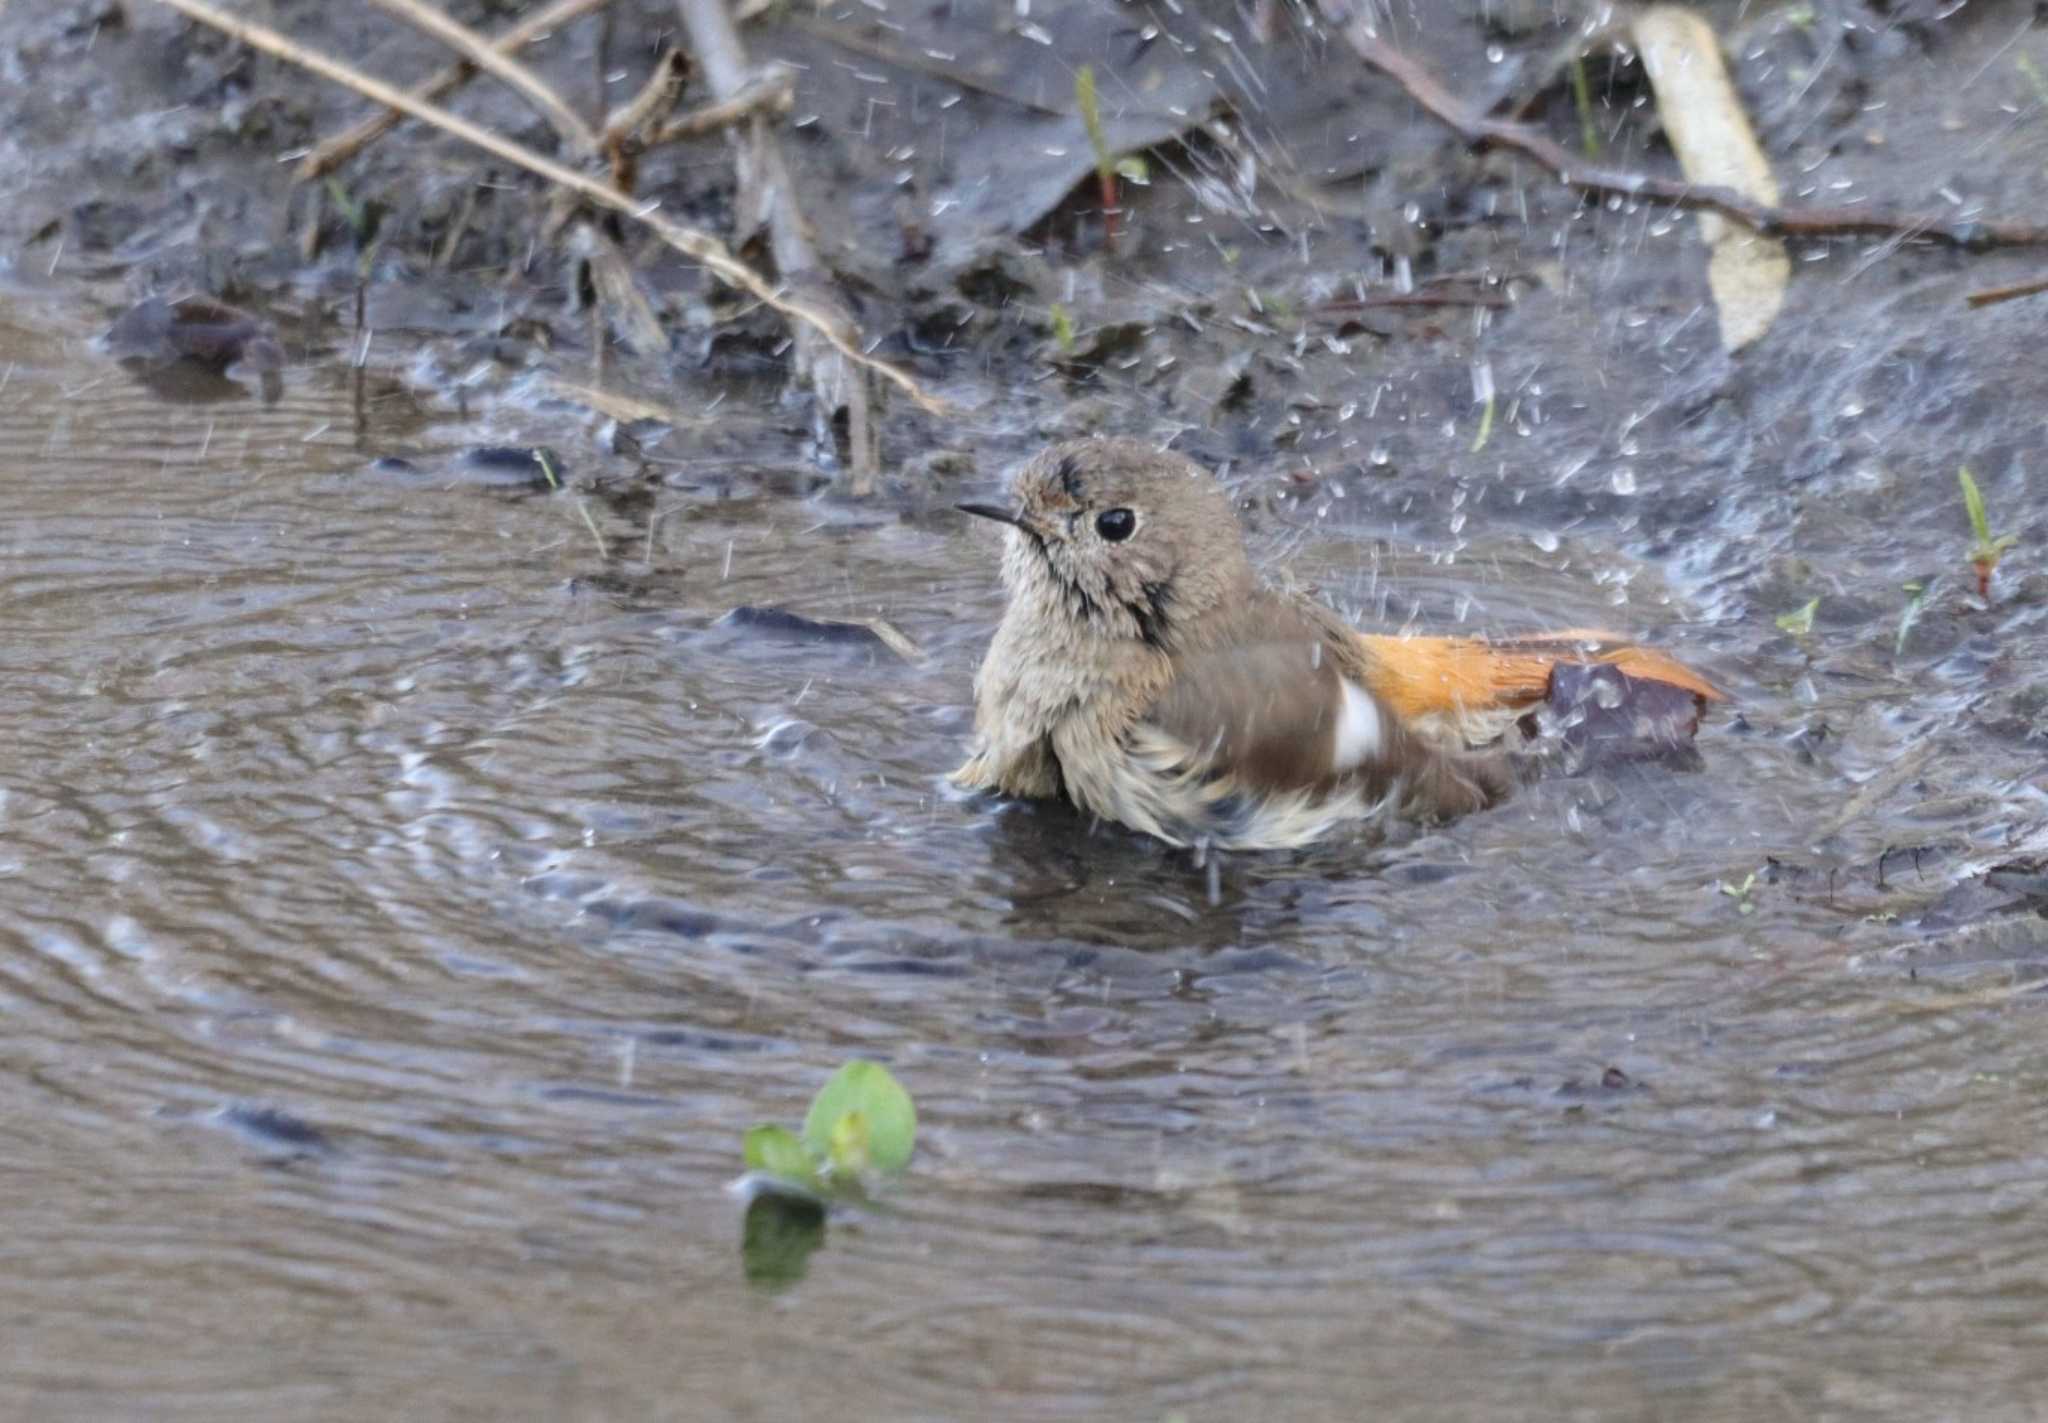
(1360, 730)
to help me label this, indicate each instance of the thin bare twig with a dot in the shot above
(484, 55)
(1375, 301)
(1991, 296)
(1769, 219)
(694, 243)
(328, 156)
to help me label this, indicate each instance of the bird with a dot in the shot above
(1143, 670)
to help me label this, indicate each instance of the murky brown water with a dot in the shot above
(400, 922)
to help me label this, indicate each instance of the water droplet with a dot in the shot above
(1624, 480)
(1545, 540)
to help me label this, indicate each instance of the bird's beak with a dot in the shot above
(990, 511)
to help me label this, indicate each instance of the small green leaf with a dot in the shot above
(779, 1152)
(1974, 502)
(1799, 622)
(1134, 168)
(885, 1132)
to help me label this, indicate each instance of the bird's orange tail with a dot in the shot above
(1476, 684)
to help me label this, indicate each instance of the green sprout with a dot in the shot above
(1108, 167)
(1582, 99)
(1799, 622)
(1740, 893)
(1063, 329)
(1985, 553)
(1485, 425)
(862, 1127)
(1916, 603)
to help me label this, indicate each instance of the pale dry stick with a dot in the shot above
(1480, 131)
(699, 246)
(1747, 273)
(611, 273)
(334, 152)
(767, 199)
(479, 51)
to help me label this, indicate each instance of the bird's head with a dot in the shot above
(1120, 541)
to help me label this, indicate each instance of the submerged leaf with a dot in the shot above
(778, 1238)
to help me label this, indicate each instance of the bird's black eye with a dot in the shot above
(1116, 525)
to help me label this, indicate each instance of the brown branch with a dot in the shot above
(773, 92)
(656, 97)
(694, 243)
(569, 125)
(334, 152)
(1991, 296)
(1769, 219)
(1377, 301)
(625, 131)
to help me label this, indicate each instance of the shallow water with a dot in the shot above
(404, 909)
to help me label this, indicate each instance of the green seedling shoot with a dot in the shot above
(1740, 893)
(1986, 551)
(1063, 329)
(860, 1130)
(1799, 622)
(1582, 100)
(1916, 603)
(1108, 167)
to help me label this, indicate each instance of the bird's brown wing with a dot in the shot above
(1262, 711)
